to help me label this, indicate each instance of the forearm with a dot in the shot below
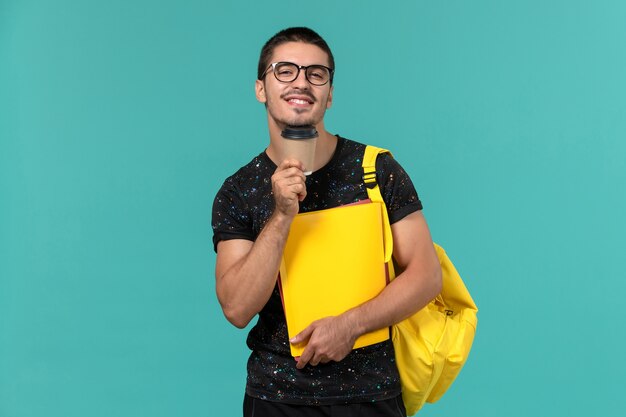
(418, 281)
(246, 286)
(332, 338)
(246, 272)
(404, 296)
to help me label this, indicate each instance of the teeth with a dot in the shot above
(297, 101)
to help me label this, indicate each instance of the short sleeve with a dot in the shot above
(396, 188)
(231, 215)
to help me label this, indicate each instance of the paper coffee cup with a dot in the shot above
(299, 143)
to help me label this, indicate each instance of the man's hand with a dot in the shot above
(288, 186)
(329, 339)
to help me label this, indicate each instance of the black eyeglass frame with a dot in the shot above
(273, 65)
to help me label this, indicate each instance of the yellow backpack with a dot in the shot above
(432, 345)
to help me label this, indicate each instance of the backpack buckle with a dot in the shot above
(369, 178)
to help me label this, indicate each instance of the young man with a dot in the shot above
(252, 214)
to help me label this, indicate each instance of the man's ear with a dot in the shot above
(329, 102)
(259, 88)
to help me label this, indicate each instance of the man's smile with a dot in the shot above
(299, 100)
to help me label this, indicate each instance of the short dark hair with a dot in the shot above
(297, 34)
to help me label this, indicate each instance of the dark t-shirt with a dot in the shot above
(240, 210)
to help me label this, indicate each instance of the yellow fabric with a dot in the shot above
(432, 345)
(333, 261)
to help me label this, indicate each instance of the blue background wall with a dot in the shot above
(119, 120)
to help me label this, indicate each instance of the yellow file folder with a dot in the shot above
(333, 261)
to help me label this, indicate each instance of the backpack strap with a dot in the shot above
(373, 192)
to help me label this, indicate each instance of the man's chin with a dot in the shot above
(298, 120)
(302, 123)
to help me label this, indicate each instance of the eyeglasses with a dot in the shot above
(286, 72)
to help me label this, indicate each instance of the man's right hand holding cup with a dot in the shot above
(288, 186)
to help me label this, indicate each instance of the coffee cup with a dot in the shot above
(299, 143)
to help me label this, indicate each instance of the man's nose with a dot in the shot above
(301, 80)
